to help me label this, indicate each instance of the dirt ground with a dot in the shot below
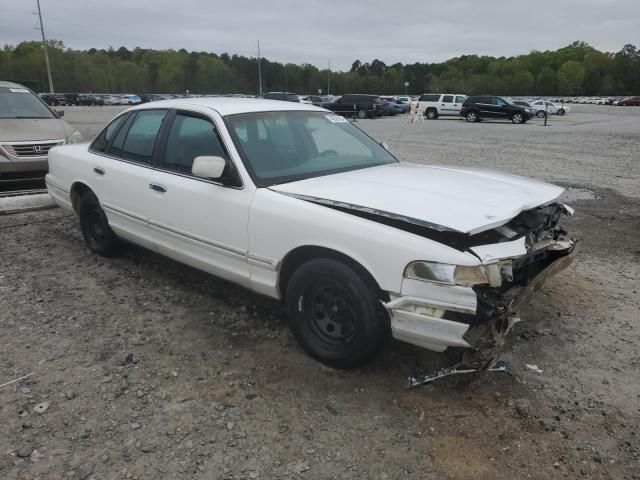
(148, 369)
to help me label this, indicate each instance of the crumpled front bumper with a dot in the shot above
(477, 320)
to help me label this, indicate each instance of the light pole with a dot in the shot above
(406, 84)
(259, 71)
(44, 46)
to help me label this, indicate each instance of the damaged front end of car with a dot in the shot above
(442, 306)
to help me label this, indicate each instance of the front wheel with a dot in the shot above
(95, 227)
(335, 316)
(517, 118)
(540, 114)
(362, 114)
(472, 117)
(561, 111)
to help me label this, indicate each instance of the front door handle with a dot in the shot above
(98, 170)
(157, 187)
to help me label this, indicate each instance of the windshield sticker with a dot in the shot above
(19, 90)
(336, 119)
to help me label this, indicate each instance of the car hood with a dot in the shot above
(444, 198)
(26, 129)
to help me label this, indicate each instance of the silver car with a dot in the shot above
(28, 129)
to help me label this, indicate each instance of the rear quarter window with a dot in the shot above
(429, 98)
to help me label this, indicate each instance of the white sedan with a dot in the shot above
(540, 106)
(297, 203)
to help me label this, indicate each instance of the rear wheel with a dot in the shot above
(472, 117)
(335, 316)
(431, 113)
(517, 118)
(95, 227)
(540, 114)
(362, 114)
(561, 111)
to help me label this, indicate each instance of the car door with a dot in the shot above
(502, 108)
(487, 107)
(122, 163)
(446, 105)
(199, 221)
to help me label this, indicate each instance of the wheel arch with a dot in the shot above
(77, 190)
(299, 255)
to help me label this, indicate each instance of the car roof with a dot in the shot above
(231, 105)
(10, 85)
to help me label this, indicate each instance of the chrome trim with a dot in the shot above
(199, 239)
(398, 303)
(54, 184)
(126, 213)
(272, 263)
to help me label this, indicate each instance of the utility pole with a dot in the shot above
(259, 71)
(44, 46)
(329, 78)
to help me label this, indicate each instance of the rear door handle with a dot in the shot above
(98, 170)
(157, 187)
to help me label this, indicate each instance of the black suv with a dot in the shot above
(361, 105)
(478, 107)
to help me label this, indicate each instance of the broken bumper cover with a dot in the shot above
(476, 319)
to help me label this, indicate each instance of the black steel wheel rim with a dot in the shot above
(330, 313)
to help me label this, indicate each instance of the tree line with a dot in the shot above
(578, 69)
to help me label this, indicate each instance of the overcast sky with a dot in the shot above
(312, 31)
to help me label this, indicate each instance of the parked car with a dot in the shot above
(320, 100)
(396, 105)
(521, 103)
(362, 106)
(28, 129)
(300, 205)
(72, 98)
(629, 101)
(54, 99)
(541, 106)
(434, 105)
(90, 100)
(285, 96)
(478, 107)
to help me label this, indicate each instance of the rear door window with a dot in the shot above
(141, 136)
(107, 135)
(447, 99)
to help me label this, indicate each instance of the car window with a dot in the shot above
(141, 136)
(460, 99)
(447, 99)
(302, 145)
(549, 104)
(190, 137)
(500, 102)
(429, 98)
(107, 135)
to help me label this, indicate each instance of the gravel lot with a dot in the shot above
(147, 369)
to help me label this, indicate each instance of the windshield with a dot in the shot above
(280, 147)
(21, 103)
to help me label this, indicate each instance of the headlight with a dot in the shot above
(447, 274)
(75, 137)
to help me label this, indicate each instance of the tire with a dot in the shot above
(431, 113)
(95, 227)
(362, 114)
(472, 116)
(335, 316)
(540, 114)
(517, 118)
(561, 111)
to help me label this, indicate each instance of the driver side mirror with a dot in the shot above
(385, 146)
(59, 113)
(208, 166)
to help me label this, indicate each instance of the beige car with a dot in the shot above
(28, 129)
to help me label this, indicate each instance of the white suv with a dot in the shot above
(435, 104)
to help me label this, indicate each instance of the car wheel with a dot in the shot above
(431, 113)
(517, 118)
(540, 114)
(335, 316)
(472, 117)
(95, 227)
(561, 111)
(362, 114)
